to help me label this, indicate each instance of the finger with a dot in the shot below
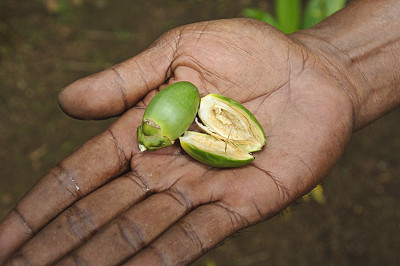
(191, 237)
(98, 161)
(239, 199)
(74, 226)
(114, 90)
(82, 220)
(130, 232)
(142, 223)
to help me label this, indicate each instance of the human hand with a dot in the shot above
(108, 203)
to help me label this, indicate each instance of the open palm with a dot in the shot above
(162, 206)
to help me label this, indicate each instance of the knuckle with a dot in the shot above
(121, 156)
(80, 222)
(66, 181)
(193, 236)
(238, 221)
(139, 180)
(131, 234)
(180, 197)
(120, 83)
(28, 228)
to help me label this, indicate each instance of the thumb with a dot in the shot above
(112, 91)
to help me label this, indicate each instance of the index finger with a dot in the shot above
(98, 161)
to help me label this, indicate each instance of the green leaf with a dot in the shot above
(261, 15)
(318, 10)
(313, 13)
(334, 5)
(288, 14)
(255, 13)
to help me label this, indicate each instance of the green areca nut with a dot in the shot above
(233, 132)
(214, 152)
(168, 115)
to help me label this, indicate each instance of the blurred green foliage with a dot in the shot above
(289, 15)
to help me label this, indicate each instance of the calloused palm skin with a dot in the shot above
(163, 207)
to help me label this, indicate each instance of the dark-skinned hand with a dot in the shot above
(109, 203)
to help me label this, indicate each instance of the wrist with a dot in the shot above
(360, 47)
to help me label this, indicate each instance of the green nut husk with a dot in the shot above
(168, 115)
(233, 131)
(214, 152)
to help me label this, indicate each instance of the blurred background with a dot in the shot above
(354, 219)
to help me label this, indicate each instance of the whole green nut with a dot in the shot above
(168, 115)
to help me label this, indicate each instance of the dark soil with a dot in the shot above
(47, 44)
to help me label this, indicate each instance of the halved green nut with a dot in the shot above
(225, 118)
(214, 152)
(234, 133)
(168, 115)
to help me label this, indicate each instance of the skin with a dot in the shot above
(310, 91)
